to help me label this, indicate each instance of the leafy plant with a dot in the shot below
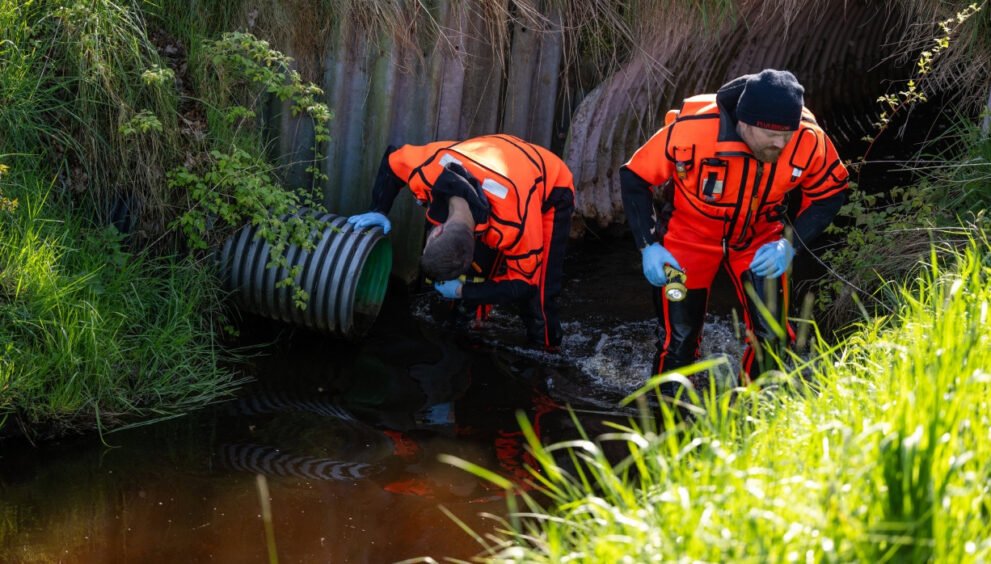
(247, 67)
(142, 122)
(236, 189)
(235, 186)
(6, 204)
(881, 236)
(913, 93)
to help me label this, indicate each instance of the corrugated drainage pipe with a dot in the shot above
(345, 275)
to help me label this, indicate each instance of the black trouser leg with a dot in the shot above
(679, 331)
(563, 203)
(767, 320)
(533, 321)
(541, 314)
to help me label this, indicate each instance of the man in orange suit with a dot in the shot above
(726, 163)
(512, 197)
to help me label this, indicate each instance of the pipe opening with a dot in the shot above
(346, 277)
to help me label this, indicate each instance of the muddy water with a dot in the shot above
(346, 436)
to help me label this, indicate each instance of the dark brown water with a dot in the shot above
(346, 436)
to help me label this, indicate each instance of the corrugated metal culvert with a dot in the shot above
(346, 276)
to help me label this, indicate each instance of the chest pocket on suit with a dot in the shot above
(684, 161)
(712, 179)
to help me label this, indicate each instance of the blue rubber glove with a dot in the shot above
(772, 259)
(450, 289)
(654, 258)
(369, 219)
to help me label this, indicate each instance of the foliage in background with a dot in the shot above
(962, 66)
(235, 186)
(902, 100)
(92, 87)
(83, 86)
(6, 204)
(92, 334)
(882, 235)
(875, 451)
(96, 107)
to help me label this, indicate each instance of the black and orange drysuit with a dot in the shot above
(720, 205)
(525, 218)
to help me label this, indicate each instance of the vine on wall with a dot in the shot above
(233, 186)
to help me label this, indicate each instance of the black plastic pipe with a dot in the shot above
(345, 275)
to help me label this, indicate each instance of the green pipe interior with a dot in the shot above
(374, 278)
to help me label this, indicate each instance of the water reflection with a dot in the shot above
(347, 435)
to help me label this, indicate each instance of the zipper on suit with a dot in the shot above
(754, 202)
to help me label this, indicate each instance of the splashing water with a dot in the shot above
(612, 356)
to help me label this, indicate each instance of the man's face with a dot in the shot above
(766, 144)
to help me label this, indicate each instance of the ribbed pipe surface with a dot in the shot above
(345, 275)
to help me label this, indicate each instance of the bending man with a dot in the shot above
(726, 163)
(513, 197)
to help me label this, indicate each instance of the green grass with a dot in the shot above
(93, 335)
(83, 86)
(881, 453)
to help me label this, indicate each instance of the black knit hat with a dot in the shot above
(771, 99)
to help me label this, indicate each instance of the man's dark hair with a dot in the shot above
(449, 255)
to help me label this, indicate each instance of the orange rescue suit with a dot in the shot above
(530, 194)
(722, 194)
(517, 178)
(722, 205)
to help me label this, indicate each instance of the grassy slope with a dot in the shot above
(90, 333)
(888, 459)
(93, 333)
